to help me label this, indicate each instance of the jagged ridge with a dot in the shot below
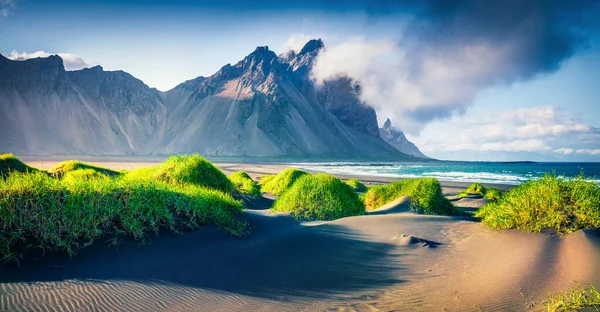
(264, 105)
(398, 140)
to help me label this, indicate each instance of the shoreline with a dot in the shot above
(253, 169)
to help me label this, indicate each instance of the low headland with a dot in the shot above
(186, 234)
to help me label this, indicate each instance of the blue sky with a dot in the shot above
(480, 91)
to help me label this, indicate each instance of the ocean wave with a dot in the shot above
(485, 173)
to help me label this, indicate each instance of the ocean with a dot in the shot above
(485, 172)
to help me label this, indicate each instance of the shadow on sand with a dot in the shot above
(279, 257)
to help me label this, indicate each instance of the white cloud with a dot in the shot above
(564, 150)
(534, 145)
(71, 62)
(537, 129)
(413, 91)
(296, 41)
(535, 122)
(588, 151)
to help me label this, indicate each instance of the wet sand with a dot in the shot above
(387, 260)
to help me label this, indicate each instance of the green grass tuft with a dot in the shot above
(283, 181)
(478, 189)
(493, 194)
(473, 189)
(9, 163)
(462, 194)
(425, 196)
(575, 300)
(192, 169)
(356, 185)
(549, 203)
(244, 183)
(319, 197)
(265, 179)
(82, 176)
(72, 165)
(39, 211)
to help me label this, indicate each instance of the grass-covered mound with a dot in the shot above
(425, 196)
(549, 203)
(264, 179)
(244, 183)
(9, 163)
(282, 181)
(575, 300)
(80, 175)
(41, 211)
(493, 194)
(72, 165)
(179, 169)
(356, 185)
(478, 189)
(473, 189)
(319, 197)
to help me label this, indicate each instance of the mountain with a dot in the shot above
(264, 105)
(46, 110)
(398, 140)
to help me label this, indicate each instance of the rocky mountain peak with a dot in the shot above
(397, 139)
(261, 61)
(314, 45)
(387, 125)
(261, 54)
(304, 60)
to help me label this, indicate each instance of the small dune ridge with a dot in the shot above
(282, 181)
(87, 203)
(548, 204)
(425, 196)
(319, 197)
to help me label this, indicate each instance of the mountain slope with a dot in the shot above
(265, 105)
(398, 140)
(257, 107)
(47, 110)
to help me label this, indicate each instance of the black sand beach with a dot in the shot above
(389, 259)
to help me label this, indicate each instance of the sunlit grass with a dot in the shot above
(575, 300)
(72, 165)
(244, 183)
(179, 169)
(425, 196)
(478, 189)
(549, 203)
(9, 163)
(41, 211)
(356, 185)
(493, 194)
(282, 181)
(319, 197)
(264, 179)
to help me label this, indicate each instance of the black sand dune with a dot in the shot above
(387, 260)
(280, 258)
